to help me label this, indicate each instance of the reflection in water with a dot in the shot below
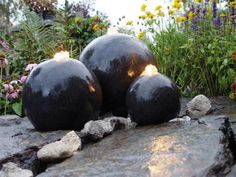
(162, 158)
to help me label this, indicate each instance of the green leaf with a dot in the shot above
(17, 108)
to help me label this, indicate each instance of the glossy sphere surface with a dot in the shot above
(153, 99)
(61, 95)
(117, 60)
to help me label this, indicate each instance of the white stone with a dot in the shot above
(182, 119)
(12, 170)
(60, 149)
(200, 105)
(54, 151)
(73, 140)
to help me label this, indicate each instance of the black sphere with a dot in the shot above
(61, 95)
(117, 60)
(153, 99)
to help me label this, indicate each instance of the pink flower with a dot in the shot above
(3, 62)
(12, 95)
(31, 66)
(23, 79)
(8, 88)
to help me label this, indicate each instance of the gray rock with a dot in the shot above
(72, 140)
(60, 149)
(233, 172)
(200, 148)
(97, 129)
(12, 170)
(120, 122)
(54, 151)
(200, 105)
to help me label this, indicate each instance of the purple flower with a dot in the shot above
(217, 22)
(214, 8)
(11, 96)
(3, 62)
(204, 11)
(23, 79)
(31, 66)
(206, 1)
(194, 27)
(5, 45)
(8, 88)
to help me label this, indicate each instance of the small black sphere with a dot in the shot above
(153, 99)
(61, 95)
(117, 60)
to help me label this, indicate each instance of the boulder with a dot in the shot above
(60, 149)
(199, 148)
(200, 105)
(12, 170)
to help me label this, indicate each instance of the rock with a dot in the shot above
(185, 118)
(60, 149)
(97, 129)
(72, 140)
(11, 170)
(233, 172)
(120, 122)
(54, 151)
(170, 149)
(199, 106)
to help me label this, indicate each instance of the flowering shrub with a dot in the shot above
(194, 43)
(10, 92)
(81, 31)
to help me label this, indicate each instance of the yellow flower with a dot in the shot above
(142, 17)
(160, 14)
(191, 15)
(181, 19)
(176, 1)
(143, 7)
(95, 27)
(171, 12)
(198, 1)
(140, 35)
(130, 22)
(158, 7)
(233, 4)
(149, 14)
(222, 15)
(176, 5)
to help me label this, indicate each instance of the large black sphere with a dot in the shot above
(117, 60)
(152, 100)
(61, 95)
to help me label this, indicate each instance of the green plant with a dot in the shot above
(194, 44)
(35, 42)
(81, 31)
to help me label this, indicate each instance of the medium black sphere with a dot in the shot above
(117, 60)
(153, 99)
(61, 95)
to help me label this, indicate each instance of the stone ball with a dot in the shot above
(117, 60)
(61, 95)
(152, 100)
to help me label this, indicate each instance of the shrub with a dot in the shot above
(194, 44)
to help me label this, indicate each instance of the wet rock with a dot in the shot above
(97, 129)
(169, 149)
(20, 142)
(12, 170)
(184, 118)
(120, 122)
(199, 106)
(60, 149)
(233, 172)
